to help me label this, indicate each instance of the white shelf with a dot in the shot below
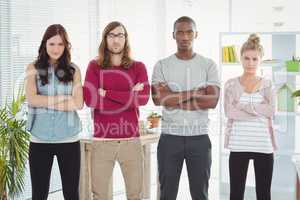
(231, 63)
(285, 73)
(282, 113)
(263, 64)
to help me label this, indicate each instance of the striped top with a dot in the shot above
(250, 135)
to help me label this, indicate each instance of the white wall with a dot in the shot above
(262, 15)
(211, 18)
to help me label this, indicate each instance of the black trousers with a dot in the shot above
(40, 162)
(263, 168)
(171, 152)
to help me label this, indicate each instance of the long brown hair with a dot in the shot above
(104, 55)
(64, 71)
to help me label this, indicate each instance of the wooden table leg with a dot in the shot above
(147, 172)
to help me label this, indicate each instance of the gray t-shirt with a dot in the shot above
(183, 75)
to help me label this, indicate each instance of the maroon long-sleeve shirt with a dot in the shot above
(116, 115)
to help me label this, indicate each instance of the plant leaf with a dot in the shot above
(296, 93)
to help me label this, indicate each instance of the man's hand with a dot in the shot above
(138, 87)
(164, 88)
(199, 92)
(102, 92)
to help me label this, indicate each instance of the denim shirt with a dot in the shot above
(48, 124)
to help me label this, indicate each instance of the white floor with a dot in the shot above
(183, 193)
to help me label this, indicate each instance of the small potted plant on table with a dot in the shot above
(153, 120)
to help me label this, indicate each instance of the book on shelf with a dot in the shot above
(229, 54)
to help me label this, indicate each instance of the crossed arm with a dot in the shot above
(97, 97)
(237, 111)
(57, 102)
(201, 98)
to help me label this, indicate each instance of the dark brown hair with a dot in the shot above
(104, 55)
(64, 71)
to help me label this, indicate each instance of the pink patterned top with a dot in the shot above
(236, 111)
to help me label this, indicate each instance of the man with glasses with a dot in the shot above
(186, 84)
(115, 86)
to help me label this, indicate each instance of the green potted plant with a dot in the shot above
(14, 143)
(293, 65)
(153, 119)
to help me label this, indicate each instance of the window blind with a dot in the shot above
(22, 25)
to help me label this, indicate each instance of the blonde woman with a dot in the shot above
(249, 107)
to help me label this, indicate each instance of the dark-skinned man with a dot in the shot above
(186, 85)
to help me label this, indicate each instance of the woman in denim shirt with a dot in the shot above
(54, 93)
